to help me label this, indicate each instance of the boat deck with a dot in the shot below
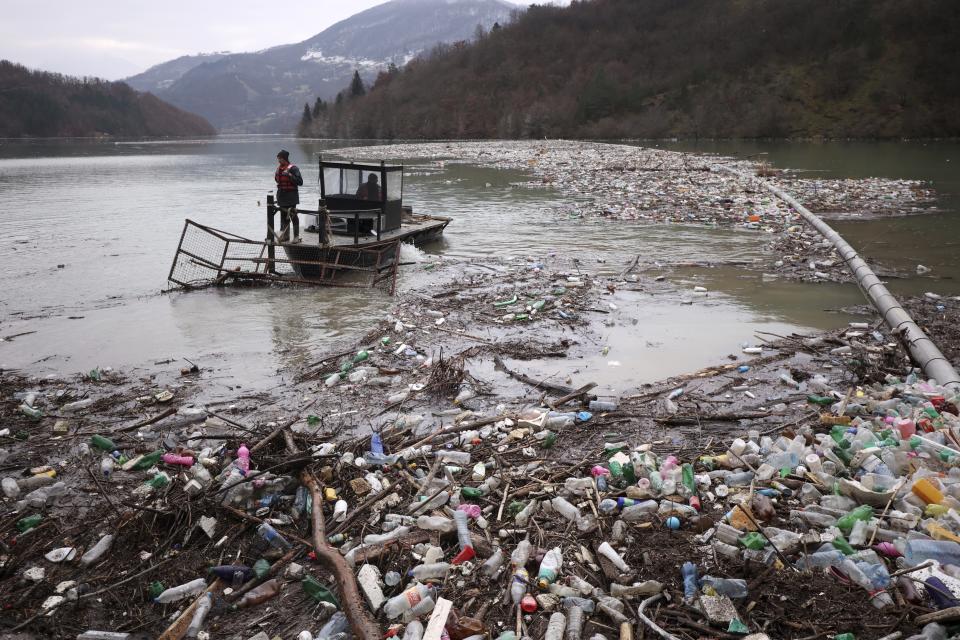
(415, 228)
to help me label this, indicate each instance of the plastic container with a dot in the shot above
(574, 623)
(462, 522)
(432, 570)
(611, 554)
(549, 568)
(243, 459)
(173, 594)
(556, 626)
(943, 551)
(565, 509)
(399, 604)
(689, 573)
(267, 590)
(927, 491)
(96, 551)
(518, 585)
(200, 615)
(732, 588)
(270, 534)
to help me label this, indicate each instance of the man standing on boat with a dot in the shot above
(288, 180)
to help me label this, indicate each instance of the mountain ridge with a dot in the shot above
(264, 91)
(44, 104)
(680, 68)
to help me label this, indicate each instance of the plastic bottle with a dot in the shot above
(492, 566)
(427, 571)
(602, 405)
(574, 623)
(267, 590)
(863, 512)
(555, 627)
(461, 519)
(233, 574)
(454, 457)
(270, 534)
(200, 615)
(173, 594)
(927, 491)
(639, 511)
(610, 554)
(316, 590)
(10, 488)
(340, 510)
(336, 625)
(103, 443)
(243, 459)
(565, 509)
(405, 601)
(38, 498)
(732, 588)
(518, 585)
(174, 459)
(96, 552)
(549, 568)
(146, 461)
(689, 573)
(414, 631)
(943, 551)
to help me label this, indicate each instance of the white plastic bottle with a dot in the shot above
(435, 523)
(611, 554)
(433, 570)
(10, 488)
(182, 591)
(555, 627)
(96, 552)
(405, 601)
(414, 631)
(564, 508)
(200, 615)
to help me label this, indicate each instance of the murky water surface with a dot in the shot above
(90, 229)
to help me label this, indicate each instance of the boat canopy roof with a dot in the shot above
(344, 178)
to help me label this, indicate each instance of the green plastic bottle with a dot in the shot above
(687, 478)
(25, 524)
(471, 492)
(837, 433)
(616, 471)
(823, 401)
(753, 540)
(841, 543)
(148, 461)
(629, 474)
(549, 440)
(863, 512)
(155, 589)
(103, 443)
(318, 592)
(844, 636)
(159, 480)
(261, 567)
(361, 356)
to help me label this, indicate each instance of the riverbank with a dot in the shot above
(470, 361)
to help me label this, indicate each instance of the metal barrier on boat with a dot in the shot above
(207, 256)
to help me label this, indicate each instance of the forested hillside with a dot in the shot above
(689, 68)
(39, 104)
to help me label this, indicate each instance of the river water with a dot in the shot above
(92, 228)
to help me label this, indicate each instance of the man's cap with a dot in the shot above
(284, 154)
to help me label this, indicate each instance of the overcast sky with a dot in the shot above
(118, 38)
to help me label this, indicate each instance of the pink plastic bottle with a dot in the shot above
(906, 427)
(172, 458)
(243, 459)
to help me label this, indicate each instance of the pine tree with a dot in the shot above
(357, 87)
(307, 115)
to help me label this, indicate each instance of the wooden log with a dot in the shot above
(944, 615)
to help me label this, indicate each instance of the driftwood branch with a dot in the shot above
(363, 626)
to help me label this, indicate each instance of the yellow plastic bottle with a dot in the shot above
(938, 532)
(927, 491)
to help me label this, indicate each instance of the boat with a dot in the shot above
(354, 238)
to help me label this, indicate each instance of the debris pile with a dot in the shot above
(807, 488)
(631, 183)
